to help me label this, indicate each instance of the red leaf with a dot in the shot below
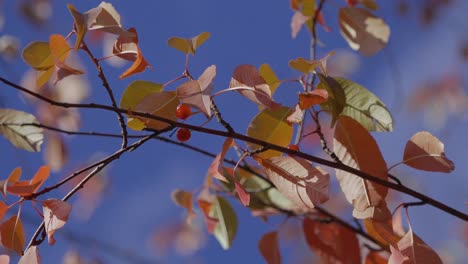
(315, 97)
(55, 216)
(332, 242)
(24, 188)
(3, 210)
(268, 246)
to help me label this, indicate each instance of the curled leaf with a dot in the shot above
(426, 152)
(56, 214)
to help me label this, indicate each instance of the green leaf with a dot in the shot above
(364, 107)
(133, 95)
(271, 126)
(188, 45)
(37, 54)
(261, 190)
(28, 138)
(226, 228)
(336, 96)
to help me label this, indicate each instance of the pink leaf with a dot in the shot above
(31, 256)
(55, 216)
(297, 21)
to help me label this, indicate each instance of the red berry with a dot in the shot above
(293, 147)
(183, 134)
(183, 111)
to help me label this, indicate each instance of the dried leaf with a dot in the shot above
(355, 147)
(415, 250)
(269, 248)
(216, 168)
(29, 138)
(297, 180)
(56, 214)
(426, 152)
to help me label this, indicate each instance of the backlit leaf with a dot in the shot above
(126, 47)
(248, 81)
(375, 258)
(60, 50)
(307, 66)
(226, 228)
(366, 108)
(336, 96)
(267, 73)
(197, 92)
(297, 180)
(188, 45)
(55, 154)
(206, 208)
(216, 168)
(296, 116)
(24, 188)
(56, 214)
(332, 242)
(269, 248)
(29, 138)
(3, 210)
(14, 176)
(355, 147)
(12, 235)
(184, 199)
(133, 95)
(103, 18)
(362, 30)
(31, 256)
(309, 99)
(416, 250)
(426, 152)
(139, 65)
(297, 20)
(37, 55)
(271, 126)
(162, 104)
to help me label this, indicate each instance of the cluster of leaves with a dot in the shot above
(276, 184)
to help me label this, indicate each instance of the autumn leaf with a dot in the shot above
(206, 208)
(415, 250)
(226, 228)
(37, 55)
(355, 147)
(374, 257)
(56, 214)
(362, 30)
(3, 210)
(269, 248)
(296, 115)
(267, 73)
(60, 50)
(271, 126)
(102, 18)
(336, 97)
(306, 66)
(188, 45)
(247, 80)
(332, 242)
(12, 234)
(24, 188)
(297, 180)
(162, 104)
(197, 92)
(184, 199)
(297, 20)
(426, 152)
(29, 138)
(126, 47)
(309, 99)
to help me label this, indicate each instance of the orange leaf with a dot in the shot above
(268, 246)
(315, 97)
(14, 176)
(375, 258)
(12, 235)
(332, 242)
(211, 222)
(139, 65)
(3, 210)
(426, 152)
(216, 168)
(184, 199)
(55, 216)
(24, 188)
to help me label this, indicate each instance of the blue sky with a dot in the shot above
(242, 32)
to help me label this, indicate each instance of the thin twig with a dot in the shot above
(106, 85)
